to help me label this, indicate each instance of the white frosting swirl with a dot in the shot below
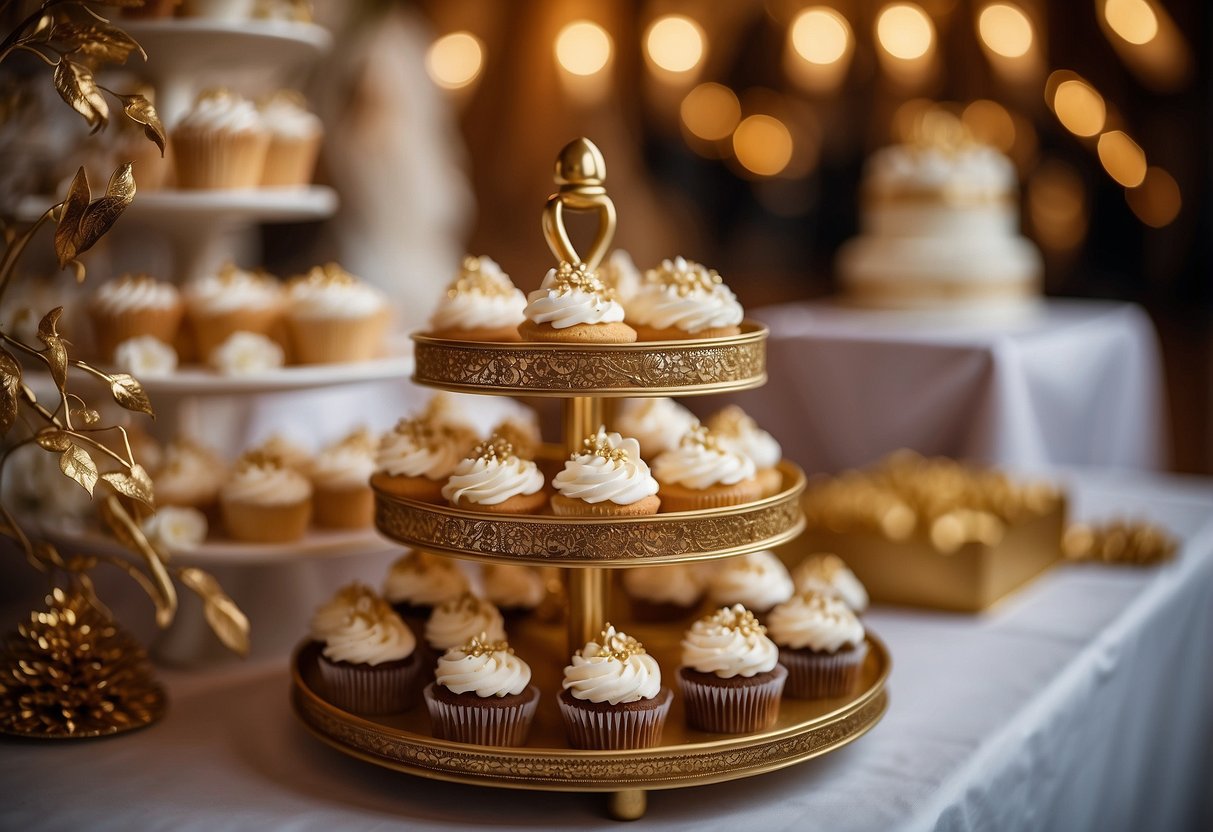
(145, 356)
(286, 115)
(675, 584)
(485, 669)
(347, 464)
(621, 276)
(175, 527)
(191, 474)
(415, 448)
(232, 289)
(685, 295)
(729, 643)
(245, 354)
(424, 580)
(482, 297)
(658, 424)
(828, 574)
(266, 481)
(700, 462)
(823, 623)
(331, 292)
(359, 627)
(608, 468)
(491, 478)
(291, 454)
(570, 296)
(737, 431)
(757, 581)
(514, 587)
(614, 669)
(461, 619)
(222, 111)
(135, 291)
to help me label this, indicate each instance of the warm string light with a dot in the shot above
(989, 122)
(1133, 20)
(905, 31)
(1156, 201)
(1057, 206)
(675, 44)
(454, 61)
(762, 145)
(583, 48)
(1122, 158)
(711, 112)
(820, 36)
(1005, 29)
(1078, 106)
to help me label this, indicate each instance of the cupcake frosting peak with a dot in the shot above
(481, 645)
(815, 620)
(685, 277)
(730, 642)
(359, 626)
(484, 666)
(614, 669)
(736, 619)
(570, 295)
(481, 276)
(613, 644)
(607, 467)
(494, 449)
(455, 621)
(569, 277)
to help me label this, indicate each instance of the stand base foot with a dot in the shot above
(628, 805)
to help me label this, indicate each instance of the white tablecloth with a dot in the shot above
(1066, 383)
(1083, 702)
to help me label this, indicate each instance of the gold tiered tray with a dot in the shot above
(585, 375)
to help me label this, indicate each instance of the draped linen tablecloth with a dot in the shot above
(1085, 701)
(1066, 382)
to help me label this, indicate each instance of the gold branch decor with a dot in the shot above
(70, 670)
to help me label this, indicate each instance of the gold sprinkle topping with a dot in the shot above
(599, 444)
(328, 274)
(732, 421)
(479, 645)
(465, 603)
(685, 277)
(700, 437)
(570, 277)
(259, 459)
(736, 618)
(618, 646)
(474, 279)
(494, 449)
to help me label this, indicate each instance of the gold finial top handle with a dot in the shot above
(580, 176)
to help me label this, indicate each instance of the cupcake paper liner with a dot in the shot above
(211, 330)
(822, 675)
(290, 161)
(733, 708)
(110, 330)
(216, 159)
(488, 724)
(266, 523)
(615, 729)
(332, 340)
(370, 689)
(343, 508)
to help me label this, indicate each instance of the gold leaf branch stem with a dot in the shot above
(16, 36)
(52, 62)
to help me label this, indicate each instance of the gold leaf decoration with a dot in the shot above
(56, 350)
(77, 87)
(54, 440)
(10, 389)
(226, 619)
(78, 196)
(78, 464)
(139, 110)
(128, 533)
(135, 484)
(99, 41)
(102, 213)
(129, 393)
(87, 415)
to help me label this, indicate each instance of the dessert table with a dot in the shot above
(1062, 382)
(1081, 702)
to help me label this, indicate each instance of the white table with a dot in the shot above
(1083, 702)
(1064, 383)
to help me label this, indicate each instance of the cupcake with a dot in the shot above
(415, 458)
(420, 581)
(494, 479)
(219, 143)
(735, 430)
(332, 316)
(758, 581)
(821, 643)
(290, 453)
(295, 136)
(700, 473)
(482, 694)
(612, 698)
(191, 475)
(246, 354)
(658, 424)
(828, 574)
(573, 306)
(663, 593)
(231, 300)
(480, 305)
(341, 491)
(606, 478)
(368, 660)
(731, 678)
(145, 356)
(523, 434)
(458, 620)
(682, 299)
(134, 306)
(263, 501)
(620, 275)
(515, 590)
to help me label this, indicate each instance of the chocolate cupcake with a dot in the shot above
(420, 581)
(515, 590)
(664, 593)
(458, 620)
(828, 574)
(821, 643)
(758, 581)
(482, 694)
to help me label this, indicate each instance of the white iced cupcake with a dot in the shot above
(495, 479)
(482, 694)
(515, 590)
(133, 306)
(826, 573)
(292, 454)
(683, 299)
(458, 620)
(332, 316)
(758, 581)
(572, 305)
(658, 424)
(737, 431)
(821, 643)
(482, 304)
(295, 137)
(219, 143)
(701, 473)
(190, 476)
(231, 300)
(264, 501)
(417, 456)
(342, 497)
(606, 478)
(664, 593)
(420, 581)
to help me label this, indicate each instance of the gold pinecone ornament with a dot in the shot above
(72, 671)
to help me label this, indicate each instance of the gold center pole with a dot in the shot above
(588, 587)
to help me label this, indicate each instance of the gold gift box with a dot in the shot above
(933, 533)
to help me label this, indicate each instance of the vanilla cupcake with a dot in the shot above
(295, 136)
(368, 659)
(341, 492)
(663, 593)
(190, 476)
(420, 581)
(758, 581)
(612, 698)
(606, 478)
(821, 643)
(827, 574)
(264, 501)
(737, 431)
(133, 306)
(482, 694)
(494, 479)
(731, 678)
(228, 301)
(480, 305)
(572, 305)
(682, 299)
(658, 424)
(145, 356)
(458, 620)
(219, 143)
(700, 473)
(515, 590)
(291, 453)
(415, 458)
(332, 316)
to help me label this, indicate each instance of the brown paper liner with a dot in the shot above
(680, 498)
(343, 508)
(208, 159)
(813, 675)
(372, 690)
(290, 161)
(732, 706)
(211, 330)
(335, 340)
(563, 506)
(266, 523)
(111, 330)
(481, 722)
(615, 727)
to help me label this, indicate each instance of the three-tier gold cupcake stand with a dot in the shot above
(585, 376)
